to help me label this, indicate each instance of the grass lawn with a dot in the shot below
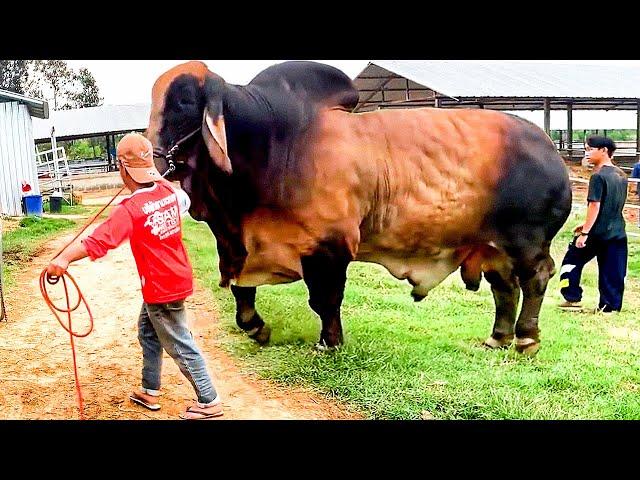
(22, 238)
(21, 243)
(406, 360)
(69, 209)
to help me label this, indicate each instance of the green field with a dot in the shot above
(20, 244)
(68, 209)
(406, 360)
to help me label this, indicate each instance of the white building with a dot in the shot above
(17, 148)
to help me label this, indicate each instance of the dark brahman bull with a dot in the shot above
(294, 186)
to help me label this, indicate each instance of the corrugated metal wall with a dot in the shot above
(17, 157)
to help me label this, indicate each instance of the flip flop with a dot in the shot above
(141, 401)
(190, 414)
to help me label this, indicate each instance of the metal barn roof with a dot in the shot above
(37, 108)
(92, 121)
(499, 85)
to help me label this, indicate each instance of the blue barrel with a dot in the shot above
(32, 205)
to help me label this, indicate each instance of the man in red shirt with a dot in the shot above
(150, 219)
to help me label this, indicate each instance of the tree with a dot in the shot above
(14, 75)
(84, 91)
(53, 80)
(70, 89)
(56, 75)
(20, 76)
(82, 149)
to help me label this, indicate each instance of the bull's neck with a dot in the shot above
(245, 109)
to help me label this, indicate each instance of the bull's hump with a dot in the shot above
(313, 82)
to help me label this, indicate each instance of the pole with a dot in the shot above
(547, 116)
(54, 154)
(3, 308)
(570, 130)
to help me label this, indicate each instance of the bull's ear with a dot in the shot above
(213, 130)
(215, 137)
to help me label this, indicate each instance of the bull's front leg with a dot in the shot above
(325, 273)
(247, 318)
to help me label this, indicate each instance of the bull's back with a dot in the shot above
(426, 177)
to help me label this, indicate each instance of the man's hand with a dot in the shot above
(57, 267)
(581, 241)
(73, 252)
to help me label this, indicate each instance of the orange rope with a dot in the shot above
(45, 279)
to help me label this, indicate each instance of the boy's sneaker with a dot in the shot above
(571, 306)
(603, 311)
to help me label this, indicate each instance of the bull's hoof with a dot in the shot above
(262, 335)
(504, 342)
(417, 297)
(474, 287)
(322, 347)
(527, 346)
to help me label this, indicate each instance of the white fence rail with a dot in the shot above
(53, 164)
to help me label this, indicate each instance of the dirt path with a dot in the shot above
(36, 372)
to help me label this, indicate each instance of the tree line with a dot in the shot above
(64, 87)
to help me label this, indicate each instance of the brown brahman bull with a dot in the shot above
(294, 186)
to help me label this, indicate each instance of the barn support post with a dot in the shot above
(570, 130)
(547, 116)
(113, 149)
(57, 184)
(108, 153)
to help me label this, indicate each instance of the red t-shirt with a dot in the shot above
(150, 219)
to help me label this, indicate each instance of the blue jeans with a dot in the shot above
(164, 325)
(612, 270)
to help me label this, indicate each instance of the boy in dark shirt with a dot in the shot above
(602, 235)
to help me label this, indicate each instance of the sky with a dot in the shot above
(125, 82)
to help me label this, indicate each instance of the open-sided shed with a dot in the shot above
(501, 85)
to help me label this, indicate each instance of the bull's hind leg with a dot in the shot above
(247, 318)
(534, 272)
(506, 294)
(325, 273)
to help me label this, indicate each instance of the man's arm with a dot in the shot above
(636, 174)
(592, 214)
(75, 251)
(184, 202)
(594, 197)
(108, 235)
(593, 209)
